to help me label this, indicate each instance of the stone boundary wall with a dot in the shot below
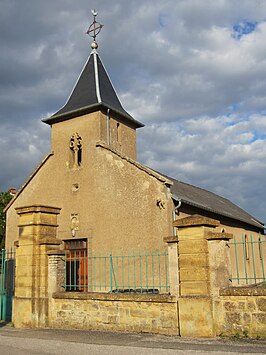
(241, 312)
(198, 306)
(114, 312)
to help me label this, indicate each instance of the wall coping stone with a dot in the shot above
(156, 298)
(134, 162)
(171, 239)
(196, 220)
(243, 291)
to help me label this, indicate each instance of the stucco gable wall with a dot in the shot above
(134, 207)
(118, 203)
(39, 189)
(120, 136)
(53, 182)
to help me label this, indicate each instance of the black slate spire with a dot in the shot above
(93, 92)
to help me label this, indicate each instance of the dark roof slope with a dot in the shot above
(92, 92)
(209, 201)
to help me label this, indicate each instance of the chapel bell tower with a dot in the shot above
(93, 94)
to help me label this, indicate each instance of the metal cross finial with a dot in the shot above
(94, 29)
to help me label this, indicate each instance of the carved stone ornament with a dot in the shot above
(74, 223)
(76, 146)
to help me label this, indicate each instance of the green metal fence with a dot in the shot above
(117, 272)
(248, 255)
(7, 283)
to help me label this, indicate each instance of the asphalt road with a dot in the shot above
(57, 341)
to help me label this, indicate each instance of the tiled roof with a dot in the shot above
(211, 202)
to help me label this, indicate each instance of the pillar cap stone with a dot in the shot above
(38, 208)
(219, 236)
(196, 220)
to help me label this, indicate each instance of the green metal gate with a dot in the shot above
(7, 283)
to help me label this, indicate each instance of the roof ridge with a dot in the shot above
(217, 210)
(71, 92)
(96, 76)
(201, 188)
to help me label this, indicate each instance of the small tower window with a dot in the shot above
(75, 150)
(118, 133)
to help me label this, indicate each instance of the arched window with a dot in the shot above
(75, 150)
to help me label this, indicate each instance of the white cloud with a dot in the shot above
(22, 148)
(228, 160)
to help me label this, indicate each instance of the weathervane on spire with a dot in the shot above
(94, 29)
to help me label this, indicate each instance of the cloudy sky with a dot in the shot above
(193, 71)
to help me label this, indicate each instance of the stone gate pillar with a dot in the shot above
(37, 235)
(203, 269)
(173, 264)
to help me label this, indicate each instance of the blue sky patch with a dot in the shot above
(244, 28)
(163, 20)
(258, 136)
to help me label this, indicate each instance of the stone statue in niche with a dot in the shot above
(74, 223)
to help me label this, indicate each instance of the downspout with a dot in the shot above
(178, 270)
(174, 213)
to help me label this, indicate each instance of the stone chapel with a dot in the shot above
(106, 197)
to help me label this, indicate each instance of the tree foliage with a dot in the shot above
(5, 197)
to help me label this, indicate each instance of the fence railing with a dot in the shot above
(123, 272)
(7, 283)
(248, 255)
